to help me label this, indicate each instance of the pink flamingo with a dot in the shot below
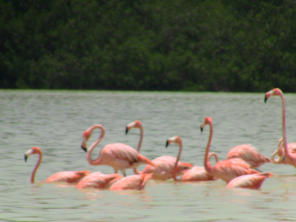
(136, 124)
(198, 173)
(63, 176)
(288, 157)
(225, 169)
(249, 154)
(117, 155)
(250, 181)
(132, 182)
(167, 167)
(98, 180)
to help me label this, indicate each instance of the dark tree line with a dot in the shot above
(217, 45)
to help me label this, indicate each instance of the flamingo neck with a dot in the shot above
(96, 161)
(36, 167)
(177, 160)
(214, 155)
(207, 163)
(141, 139)
(284, 131)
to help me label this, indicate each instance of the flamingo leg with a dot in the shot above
(136, 171)
(123, 172)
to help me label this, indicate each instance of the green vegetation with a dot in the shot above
(217, 45)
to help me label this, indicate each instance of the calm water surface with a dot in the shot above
(55, 120)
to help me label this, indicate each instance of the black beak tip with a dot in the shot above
(25, 158)
(126, 130)
(265, 99)
(167, 144)
(201, 129)
(84, 148)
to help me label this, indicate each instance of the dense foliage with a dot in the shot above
(217, 45)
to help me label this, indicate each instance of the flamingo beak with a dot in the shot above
(27, 154)
(167, 144)
(265, 99)
(267, 95)
(201, 129)
(126, 130)
(83, 146)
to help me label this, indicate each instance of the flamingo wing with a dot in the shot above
(97, 180)
(132, 182)
(196, 173)
(67, 176)
(248, 153)
(164, 167)
(250, 181)
(229, 169)
(126, 153)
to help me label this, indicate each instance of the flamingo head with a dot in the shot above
(175, 139)
(182, 166)
(208, 120)
(273, 92)
(85, 137)
(33, 150)
(134, 124)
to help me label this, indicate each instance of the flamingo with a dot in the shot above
(63, 176)
(167, 167)
(117, 155)
(250, 181)
(249, 154)
(198, 173)
(98, 180)
(225, 169)
(136, 124)
(288, 157)
(132, 182)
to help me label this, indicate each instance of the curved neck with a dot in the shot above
(284, 125)
(141, 139)
(36, 167)
(88, 154)
(177, 160)
(207, 163)
(214, 155)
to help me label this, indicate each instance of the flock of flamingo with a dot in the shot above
(239, 170)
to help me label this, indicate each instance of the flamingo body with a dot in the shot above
(132, 182)
(249, 154)
(98, 180)
(164, 167)
(196, 173)
(67, 176)
(63, 176)
(121, 156)
(250, 181)
(231, 168)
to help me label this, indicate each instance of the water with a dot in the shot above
(55, 120)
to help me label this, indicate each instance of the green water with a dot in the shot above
(55, 120)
